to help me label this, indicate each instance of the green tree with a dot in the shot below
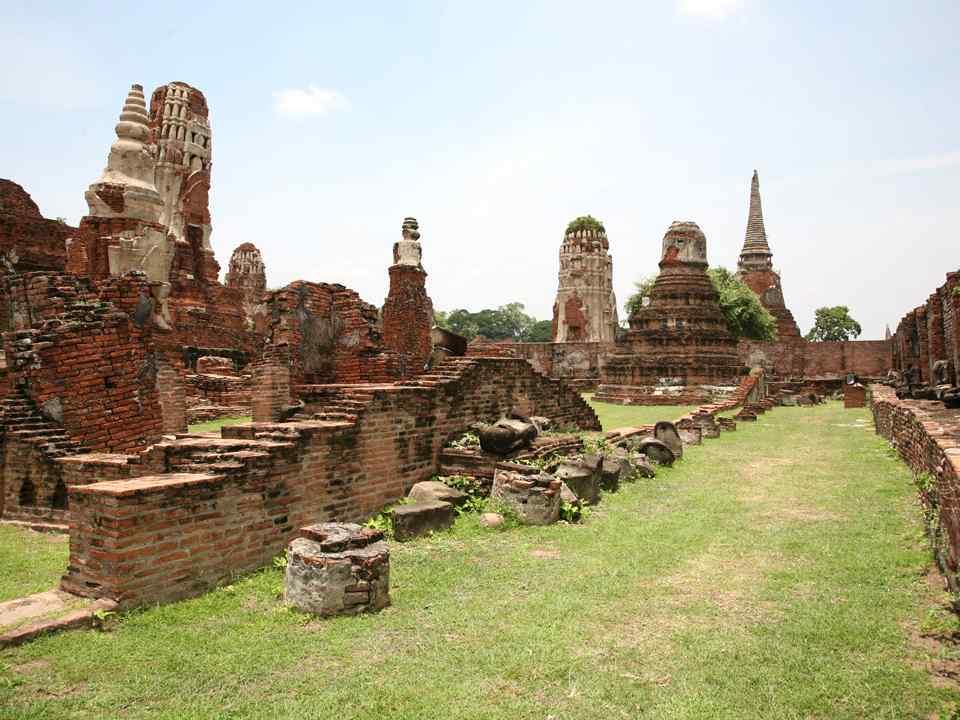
(540, 331)
(507, 322)
(642, 289)
(585, 222)
(834, 323)
(745, 315)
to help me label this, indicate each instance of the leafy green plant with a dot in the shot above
(573, 512)
(280, 562)
(596, 445)
(382, 522)
(467, 440)
(472, 505)
(585, 222)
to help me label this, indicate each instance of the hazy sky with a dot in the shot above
(495, 123)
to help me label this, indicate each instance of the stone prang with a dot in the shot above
(586, 308)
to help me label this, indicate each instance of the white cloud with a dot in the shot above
(710, 8)
(301, 102)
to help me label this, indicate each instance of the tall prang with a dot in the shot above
(248, 274)
(755, 267)
(181, 143)
(586, 308)
(678, 348)
(408, 311)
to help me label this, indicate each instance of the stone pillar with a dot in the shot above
(271, 386)
(407, 310)
(172, 398)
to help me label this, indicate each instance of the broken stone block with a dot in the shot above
(581, 479)
(657, 451)
(745, 416)
(707, 424)
(338, 569)
(533, 496)
(420, 518)
(506, 435)
(666, 432)
(434, 490)
(727, 424)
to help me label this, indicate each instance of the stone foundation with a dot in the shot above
(338, 569)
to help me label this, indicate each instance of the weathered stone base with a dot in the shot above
(338, 569)
(530, 493)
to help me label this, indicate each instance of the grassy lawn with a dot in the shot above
(777, 572)
(214, 425)
(617, 416)
(30, 561)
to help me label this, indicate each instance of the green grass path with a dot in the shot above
(777, 572)
(30, 562)
(616, 416)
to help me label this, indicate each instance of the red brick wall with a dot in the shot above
(37, 243)
(922, 432)
(801, 358)
(97, 362)
(408, 318)
(163, 536)
(331, 334)
(930, 333)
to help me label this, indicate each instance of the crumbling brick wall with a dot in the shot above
(164, 534)
(331, 334)
(805, 359)
(28, 241)
(930, 333)
(923, 432)
(95, 362)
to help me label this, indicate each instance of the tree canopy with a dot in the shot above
(507, 322)
(834, 323)
(746, 317)
(585, 222)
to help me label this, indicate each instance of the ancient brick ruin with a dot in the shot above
(586, 308)
(678, 349)
(117, 334)
(755, 268)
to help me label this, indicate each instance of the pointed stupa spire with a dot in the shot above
(130, 167)
(887, 335)
(756, 252)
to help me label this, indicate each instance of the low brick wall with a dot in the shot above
(927, 437)
(196, 510)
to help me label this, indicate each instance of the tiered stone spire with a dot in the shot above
(755, 268)
(756, 253)
(678, 349)
(130, 168)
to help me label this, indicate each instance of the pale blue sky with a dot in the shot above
(495, 123)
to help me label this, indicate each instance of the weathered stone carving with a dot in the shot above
(407, 251)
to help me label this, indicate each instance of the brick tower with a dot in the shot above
(586, 308)
(408, 311)
(755, 268)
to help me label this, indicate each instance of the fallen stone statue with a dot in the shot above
(506, 435)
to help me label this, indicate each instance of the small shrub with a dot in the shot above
(573, 512)
(382, 522)
(465, 441)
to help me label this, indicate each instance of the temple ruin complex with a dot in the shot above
(118, 334)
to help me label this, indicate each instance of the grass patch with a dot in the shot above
(778, 572)
(618, 416)
(214, 425)
(30, 562)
